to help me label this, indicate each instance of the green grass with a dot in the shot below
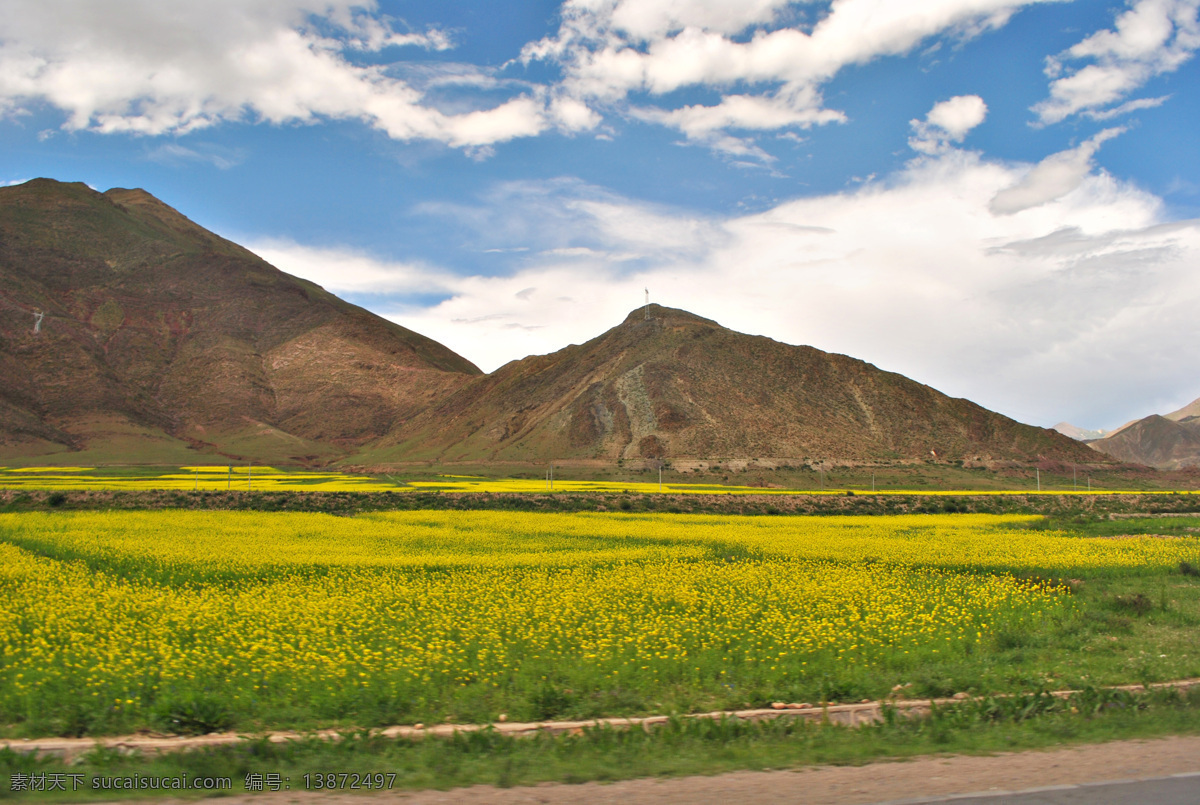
(1098, 525)
(680, 747)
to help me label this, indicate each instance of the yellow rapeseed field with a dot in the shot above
(209, 478)
(110, 620)
(218, 478)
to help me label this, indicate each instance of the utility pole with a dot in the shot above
(647, 309)
(229, 479)
(660, 476)
(1039, 478)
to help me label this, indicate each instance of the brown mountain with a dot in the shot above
(679, 385)
(158, 335)
(1188, 413)
(1168, 442)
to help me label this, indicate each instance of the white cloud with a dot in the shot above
(1152, 38)
(1052, 178)
(346, 270)
(168, 66)
(157, 67)
(742, 112)
(612, 48)
(645, 20)
(531, 218)
(573, 115)
(947, 122)
(1126, 108)
(915, 274)
(174, 153)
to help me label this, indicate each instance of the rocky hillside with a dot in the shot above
(1168, 442)
(124, 323)
(678, 385)
(1156, 442)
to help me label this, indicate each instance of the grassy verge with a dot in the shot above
(681, 747)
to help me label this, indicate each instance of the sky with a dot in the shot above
(997, 198)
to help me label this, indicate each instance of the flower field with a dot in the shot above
(243, 478)
(197, 620)
(206, 478)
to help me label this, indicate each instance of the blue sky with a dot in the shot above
(994, 197)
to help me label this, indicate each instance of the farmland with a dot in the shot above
(199, 620)
(207, 478)
(930, 481)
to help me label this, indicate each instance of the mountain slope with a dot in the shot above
(1155, 441)
(678, 385)
(157, 330)
(1168, 442)
(1188, 413)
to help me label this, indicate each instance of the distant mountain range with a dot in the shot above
(130, 334)
(1168, 442)
(1077, 433)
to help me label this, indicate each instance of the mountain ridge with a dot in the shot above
(1167, 441)
(152, 324)
(677, 384)
(157, 331)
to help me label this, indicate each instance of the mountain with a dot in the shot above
(1168, 442)
(678, 385)
(1155, 441)
(129, 332)
(1077, 433)
(1188, 413)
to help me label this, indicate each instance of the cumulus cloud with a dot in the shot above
(1052, 178)
(947, 122)
(653, 19)
(915, 274)
(610, 49)
(1152, 38)
(167, 66)
(156, 67)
